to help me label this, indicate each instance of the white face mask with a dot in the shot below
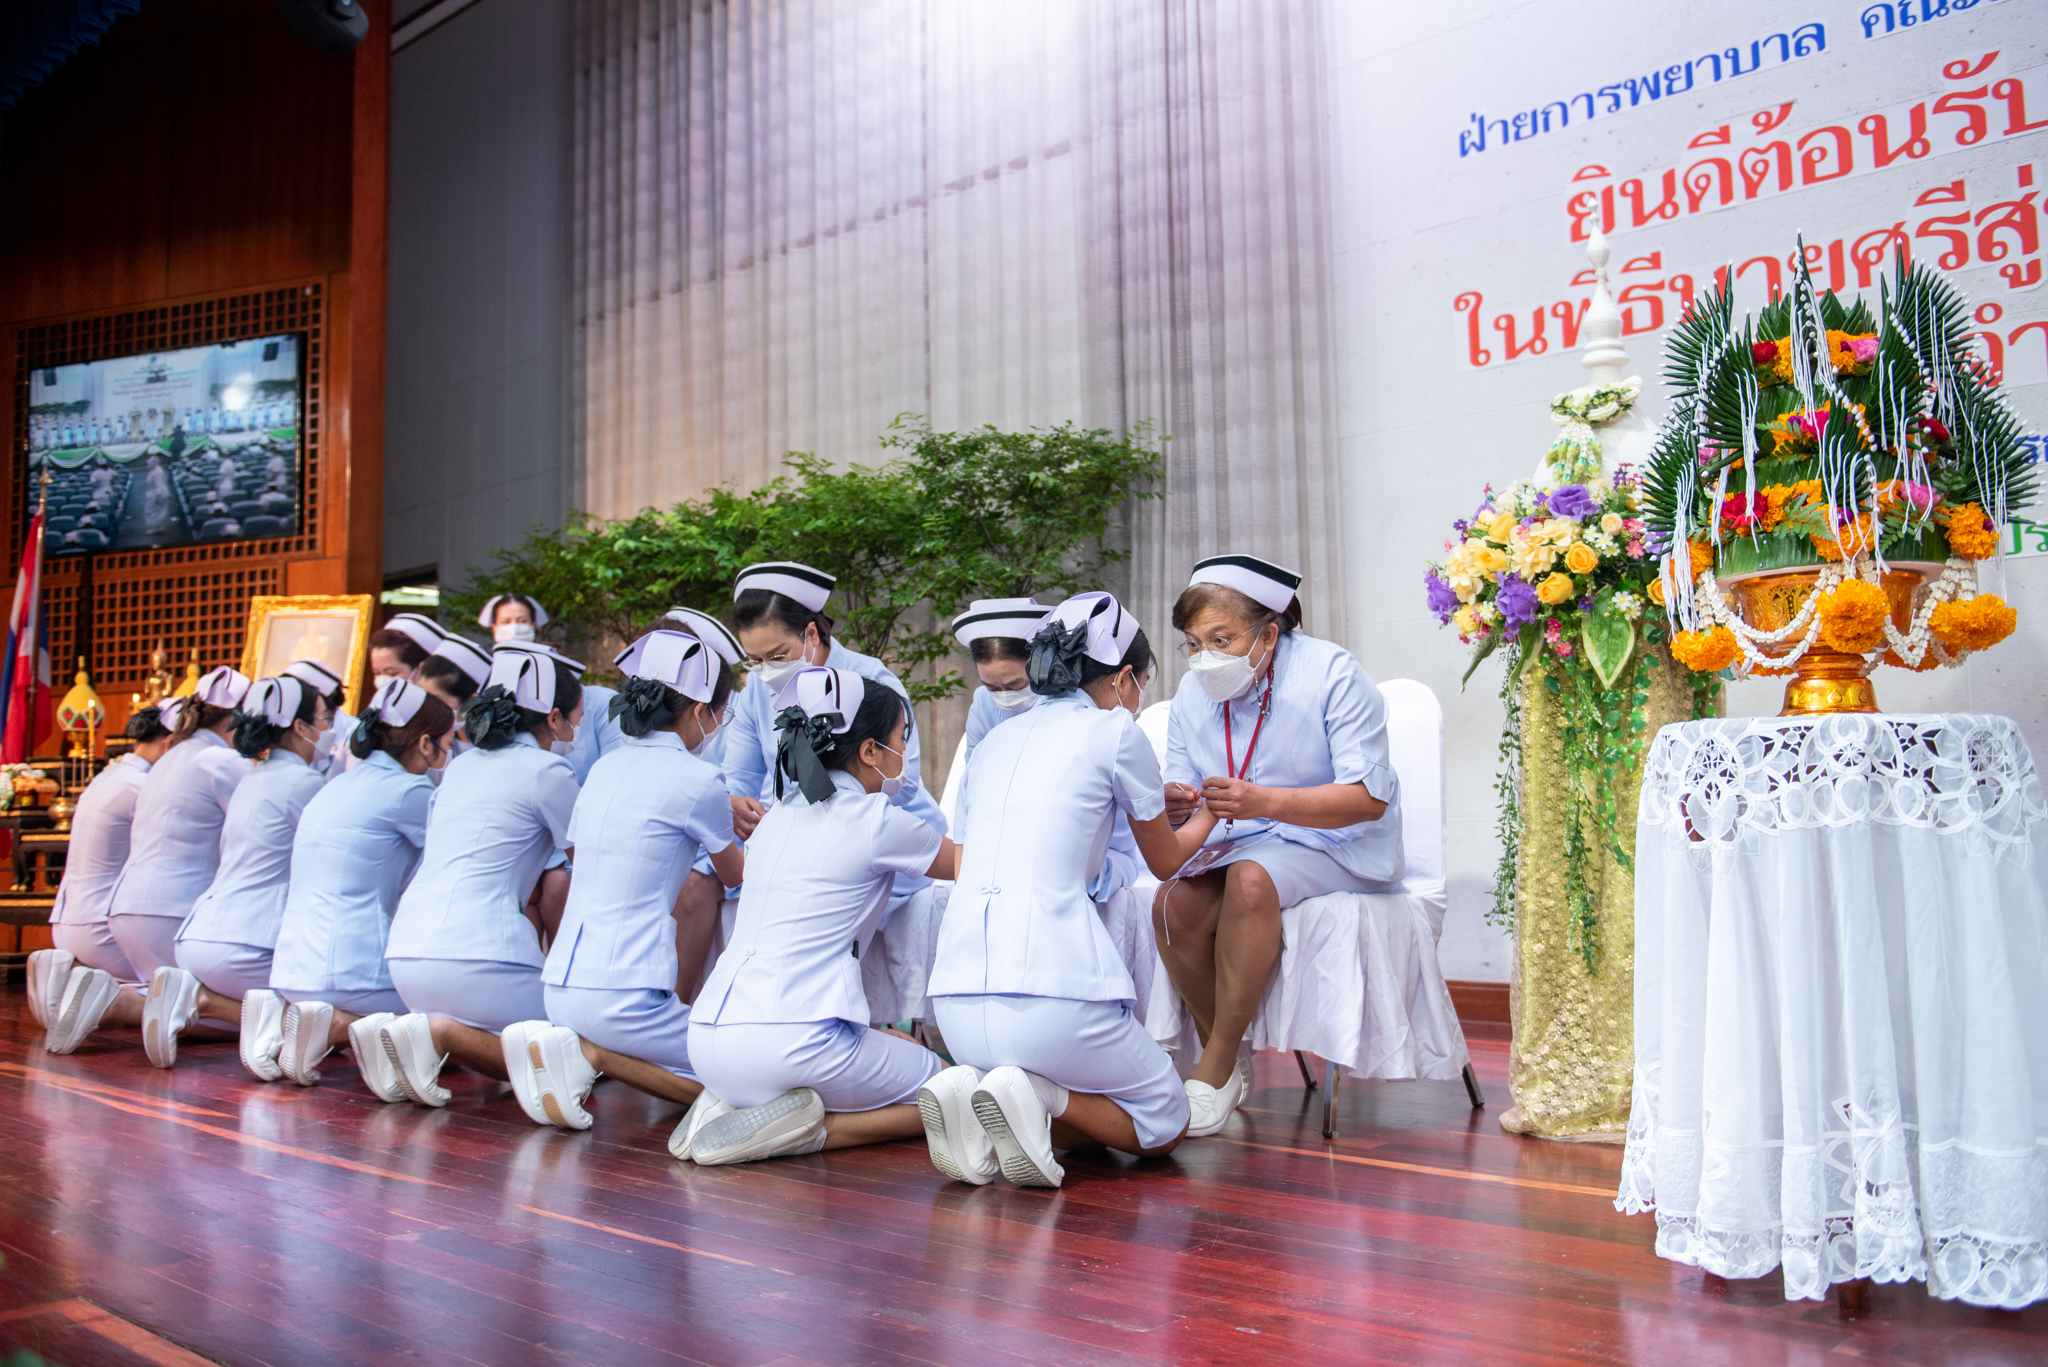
(563, 747)
(1224, 677)
(779, 672)
(893, 784)
(1020, 700)
(512, 631)
(705, 742)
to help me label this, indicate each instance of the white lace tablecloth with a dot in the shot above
(1841, 1004)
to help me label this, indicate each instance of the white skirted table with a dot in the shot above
(1841, 1004)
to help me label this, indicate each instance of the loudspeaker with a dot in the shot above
(334, 26)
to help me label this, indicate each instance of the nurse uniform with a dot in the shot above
(1019, 619)
(1315, 719)
(100, 831)
(750, 742)
(784, 1007)
(331, 755)
(174, 849)
(1026, 975)
(645, 812)
(461, 946)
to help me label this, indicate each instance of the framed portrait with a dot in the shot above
(329, 629)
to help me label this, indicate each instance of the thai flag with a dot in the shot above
(25, 709)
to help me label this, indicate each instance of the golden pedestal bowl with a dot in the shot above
(1824, 679)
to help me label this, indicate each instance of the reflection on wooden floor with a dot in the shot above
(147, 1217)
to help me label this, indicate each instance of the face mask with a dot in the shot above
(704, 742)
(893, 784)
(512, 631)
(563, 747)
(1021, 700)
(1224, 677)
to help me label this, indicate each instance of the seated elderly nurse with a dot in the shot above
(1283, 738)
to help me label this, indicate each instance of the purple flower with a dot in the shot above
(1574, 502)
(1443, 599)
(1517, 602)
(1461, 525)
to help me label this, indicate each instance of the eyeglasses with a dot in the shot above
(1187, 650)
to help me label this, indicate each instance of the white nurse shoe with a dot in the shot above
(521, 1065)
(409, 1043)
(792, 1123)
(1210, 1108)
(49, 973)
(304, 1041)
(705, 1109)
(262, 1034)
(379, 1074)
(561, 1076)
(961, 1149)
(171, 1004)
(1019, 1126)
(87, 995)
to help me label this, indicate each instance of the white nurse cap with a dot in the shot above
(1265, 583)
(526, 670)
(1017, 619)
(168, 711)
(276, 700)
(465, 656)
(819, 692)
(486, 618)
(807, 586)
(395, 703)
(674, 658)
(312, 673)
(426, 633)
(222, 687)
(1110, 630)
(710, 631)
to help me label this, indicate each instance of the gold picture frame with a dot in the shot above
(311, 626)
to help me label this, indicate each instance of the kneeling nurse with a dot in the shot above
(780, 1030)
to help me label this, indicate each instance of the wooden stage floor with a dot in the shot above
(172, 1218)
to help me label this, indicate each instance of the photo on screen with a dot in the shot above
(169, 448)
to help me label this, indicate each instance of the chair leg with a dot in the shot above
(1308, 1079)
(1472, 1089)
(1329, 1100)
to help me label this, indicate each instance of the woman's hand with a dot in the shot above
(1181, 801)
(1232, 799)
(746, 814)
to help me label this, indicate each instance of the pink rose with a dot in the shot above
(1864, 349)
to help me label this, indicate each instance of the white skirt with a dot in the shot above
(482, 993)
(229, 969)
(851, 1067)
(639, 1022)
(92, 944)
(1095, 1047)
(148, 942)
(1299, 872)
(356, 1001)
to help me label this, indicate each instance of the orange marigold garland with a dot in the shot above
(1853, 535)
(1705, 652)
(1852, 617)
(1974, 623)
(1970, 533)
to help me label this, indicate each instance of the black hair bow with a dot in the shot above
(796, 753)
(1056, 654)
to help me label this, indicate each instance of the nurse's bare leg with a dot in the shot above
(550, 899)
(1184, 916)
(337, 1028)
(469, 1046)
(215, 1007)
(1247, 948)
(1094, 1121)
(697, 909)
(641, 1075)
(125, 1009)
(846, 1129)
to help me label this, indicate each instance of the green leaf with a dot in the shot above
(1486, 648)
(1608, 638)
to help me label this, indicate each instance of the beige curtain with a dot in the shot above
(796, 219)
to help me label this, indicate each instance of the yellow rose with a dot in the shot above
(1489, 559)
(1466, 619)
(1556, 589)
(1657, 592)
(1502, 526)
(1580, 559)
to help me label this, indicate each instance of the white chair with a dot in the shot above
(1358, 982)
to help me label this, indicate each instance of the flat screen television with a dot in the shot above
(170, 448)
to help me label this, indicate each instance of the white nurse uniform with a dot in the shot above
(174, 848)
(100, 830)
(227, 941)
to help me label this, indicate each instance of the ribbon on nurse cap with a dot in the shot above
(222, 687)
(276, 700)
(1018, 619)
(709, 630)
(673, 658)
(168, 711)
(1269, 585)
(527, 670)
(465, 656)
(790, 579)
(815, 706)
(487, 618)
(314, 675)
(426, 633)
(395, 703)
(1089, 625)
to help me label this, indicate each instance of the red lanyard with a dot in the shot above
(1230, 746)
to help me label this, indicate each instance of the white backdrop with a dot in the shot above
(1452, 263)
